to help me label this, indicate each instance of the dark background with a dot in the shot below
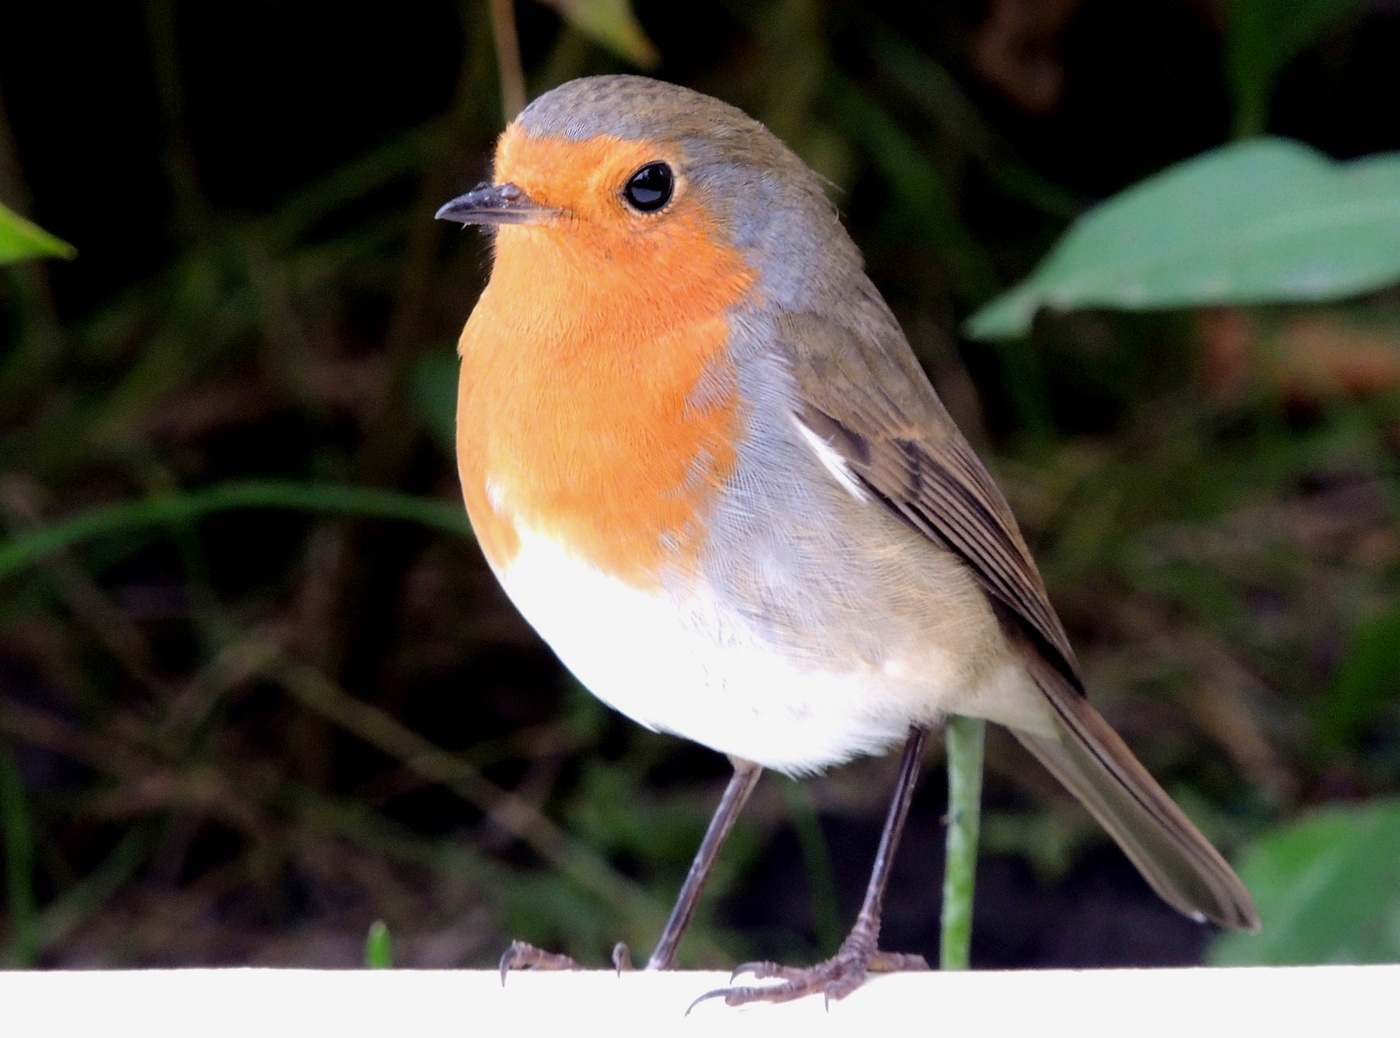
(243, 737)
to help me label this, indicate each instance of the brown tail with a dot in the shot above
(1097, 767)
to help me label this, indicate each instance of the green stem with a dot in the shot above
(965, 739)
(28, 548)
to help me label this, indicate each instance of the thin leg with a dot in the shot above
(859, 953)
(521, 955)
(736, 794)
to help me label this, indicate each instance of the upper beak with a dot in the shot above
(495, 204)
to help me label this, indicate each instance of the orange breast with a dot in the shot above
(596, 403)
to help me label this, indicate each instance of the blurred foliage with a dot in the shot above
(1262, 37)
(613, 25)
(258, 690)
(19, 865)
(20, 239)
(1328, 889)
(1364, 701)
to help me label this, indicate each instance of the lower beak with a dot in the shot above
(495, 204)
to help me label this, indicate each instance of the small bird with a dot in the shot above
(704, 463)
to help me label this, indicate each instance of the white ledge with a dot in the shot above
(1316, 1000)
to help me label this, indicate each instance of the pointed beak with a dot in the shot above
(495, 204)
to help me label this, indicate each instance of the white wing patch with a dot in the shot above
(833, 462)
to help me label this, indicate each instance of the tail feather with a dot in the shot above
(1097, 767)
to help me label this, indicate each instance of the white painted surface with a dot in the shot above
(1314, 1001)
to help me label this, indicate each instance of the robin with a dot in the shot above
(700, 456)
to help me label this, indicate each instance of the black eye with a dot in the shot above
(650, 187)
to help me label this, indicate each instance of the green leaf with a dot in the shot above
(1262, 221)
(1261, 37)
(20, 239)
(1328, 891)
(611, 24)
(379, 947)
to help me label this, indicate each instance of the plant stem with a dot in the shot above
(508, 58)
(965, 738)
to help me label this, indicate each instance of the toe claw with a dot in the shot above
(716, 993)
(621, 958)
(508, 958)
(521, 955)
(746, 967)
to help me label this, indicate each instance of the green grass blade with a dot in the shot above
(379, 947)
(153, 512)
(20, 239)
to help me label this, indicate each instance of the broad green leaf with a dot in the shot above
(1328, 891)
(1261, 37)
(612, 24)
(1262, 221)
(20, 239)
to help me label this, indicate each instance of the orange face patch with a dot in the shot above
(596, 403)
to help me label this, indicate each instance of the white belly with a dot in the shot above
(674, 662)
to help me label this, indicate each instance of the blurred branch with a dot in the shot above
(1261, 38)
(921, 189)
(191, 212)
(363, 582)
(88, 603)
(149, 783)
(508, 58)
(942, 99)
(505, 809)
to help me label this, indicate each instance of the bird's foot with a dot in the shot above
(523, 956)
(835, 978)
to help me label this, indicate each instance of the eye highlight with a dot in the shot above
(650, 188)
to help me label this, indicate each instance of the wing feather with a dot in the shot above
(889, 427)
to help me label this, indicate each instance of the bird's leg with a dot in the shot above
(859, 953)
(746, 774)
(736, 795)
